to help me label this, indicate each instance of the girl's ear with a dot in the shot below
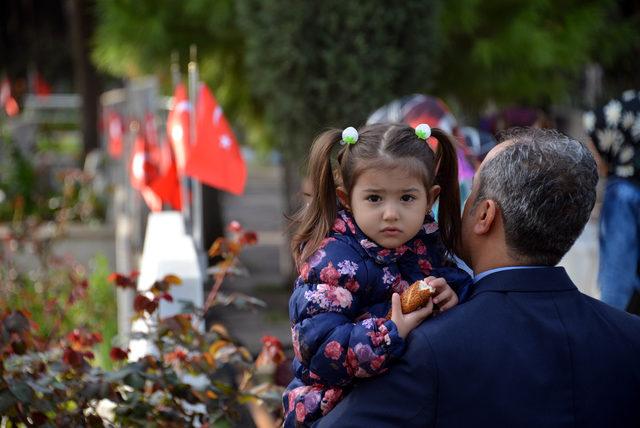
(432, 195)
(343, 197)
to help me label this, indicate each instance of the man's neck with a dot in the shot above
(493, 257)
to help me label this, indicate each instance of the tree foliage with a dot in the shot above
(319, 64)
(534, 52)
(137, 37)
(308, 65)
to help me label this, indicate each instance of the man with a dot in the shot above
(526, 348)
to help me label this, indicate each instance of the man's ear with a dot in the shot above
(343, 197)
(485, 216)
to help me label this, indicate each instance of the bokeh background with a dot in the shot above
(282, 72)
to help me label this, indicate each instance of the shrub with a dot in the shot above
(49, 377)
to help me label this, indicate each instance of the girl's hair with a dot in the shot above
(379, 146)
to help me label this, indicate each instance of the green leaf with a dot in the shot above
(135, 380)
(22, 392)
(7, 400)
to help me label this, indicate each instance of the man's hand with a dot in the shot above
(407, 322)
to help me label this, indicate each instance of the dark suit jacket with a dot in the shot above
(527, 349)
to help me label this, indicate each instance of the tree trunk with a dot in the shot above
(81, 19)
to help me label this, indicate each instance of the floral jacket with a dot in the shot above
(341, 299)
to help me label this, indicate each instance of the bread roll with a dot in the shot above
(415, 297)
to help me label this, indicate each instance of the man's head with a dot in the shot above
(531, 199)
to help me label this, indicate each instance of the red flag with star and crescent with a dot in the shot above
(167, 185)
(178, 126)
(7, 102)
(115, 132)
(215, 159)
(144, 171)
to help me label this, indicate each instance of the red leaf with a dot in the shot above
(72, 358)
(180, 354)
(143, 303)
(249, 238)
(118, 354)
(124, 281)
(140, 303)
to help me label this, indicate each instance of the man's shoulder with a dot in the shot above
(614, 315)
(457, 324)
(488, 313)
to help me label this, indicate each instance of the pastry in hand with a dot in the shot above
(416, 296)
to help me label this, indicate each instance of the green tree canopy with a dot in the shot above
(137, 37)
(330, 63)
(528, 51)
(308, 65)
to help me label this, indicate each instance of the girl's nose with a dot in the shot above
(390, 213)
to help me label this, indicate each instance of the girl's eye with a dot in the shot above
(408, 198)
(373, 198)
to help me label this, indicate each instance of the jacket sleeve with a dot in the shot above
(330, 294)
(459, 280)
(404, 397)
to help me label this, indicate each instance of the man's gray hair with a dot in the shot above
(545, 185)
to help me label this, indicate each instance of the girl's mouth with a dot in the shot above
(391, 231)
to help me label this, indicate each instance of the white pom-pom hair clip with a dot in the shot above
(349, 136)
(423, 131)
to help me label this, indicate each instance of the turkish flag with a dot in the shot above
(167, 185)
(143, 172)
(7, 101)
(11, 106)
(178, 126)
(215, 159)
(42, 87)
(115, 130)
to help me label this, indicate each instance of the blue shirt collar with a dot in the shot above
(481, 275)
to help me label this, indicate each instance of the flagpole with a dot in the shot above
(183, 179)
(197, 186)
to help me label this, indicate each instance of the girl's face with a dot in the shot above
(389, 205)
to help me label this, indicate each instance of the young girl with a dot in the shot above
(367, 233)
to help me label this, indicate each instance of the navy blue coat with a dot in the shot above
(527, 349)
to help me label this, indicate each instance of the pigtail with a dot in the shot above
(313, 222)
(446, 165)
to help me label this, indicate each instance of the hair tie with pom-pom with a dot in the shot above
(423, 131)
(349, 136)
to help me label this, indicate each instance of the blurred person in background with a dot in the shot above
(614, 130)
(418, 108)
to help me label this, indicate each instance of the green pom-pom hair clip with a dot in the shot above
(423, 131)
(349, 136)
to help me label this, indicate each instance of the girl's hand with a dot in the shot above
(444, 297)
(407, 322)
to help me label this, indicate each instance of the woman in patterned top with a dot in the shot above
(367, 234)
(614, 130)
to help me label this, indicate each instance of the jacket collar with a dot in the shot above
(346, 225)
(525, 280)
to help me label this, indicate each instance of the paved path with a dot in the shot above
(260, 209)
